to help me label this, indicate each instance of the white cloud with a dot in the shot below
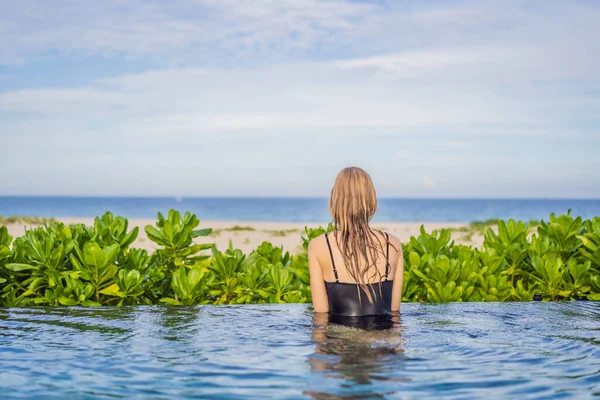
(421, 62)
(285, 85)
(220, 32)
(137, 28)
(288, 97)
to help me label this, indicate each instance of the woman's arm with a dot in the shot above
(398, 281)
(317, 283)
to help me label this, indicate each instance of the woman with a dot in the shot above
(355, 271)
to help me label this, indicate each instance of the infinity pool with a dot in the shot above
(476, 350)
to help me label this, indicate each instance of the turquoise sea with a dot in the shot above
(296, 209)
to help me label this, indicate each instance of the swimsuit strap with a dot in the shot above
(387, 256)
(332, 262)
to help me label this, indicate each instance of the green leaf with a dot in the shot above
(90, 303)
(112, 290)
(419, 274)
(75, 261)
(20, 267)
(588, 243)
(132, 278)
(154, 234)
(108, 274)
(171, 301)
(93, 255)
(130, 237)
(110, 253)
(67, 302)
(199, 258)
(414, 259)
(180, 283)
(36, 283)
(201, 232)
(194, 277)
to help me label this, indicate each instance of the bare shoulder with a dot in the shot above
(395, 242)
(316, 243)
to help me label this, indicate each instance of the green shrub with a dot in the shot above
(94, 265)
(590, 242)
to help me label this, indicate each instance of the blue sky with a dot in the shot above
(273, 98)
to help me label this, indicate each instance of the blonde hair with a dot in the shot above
(352, 205)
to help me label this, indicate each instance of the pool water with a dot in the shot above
(470, 350)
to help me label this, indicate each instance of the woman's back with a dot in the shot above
(344, 295)
(355, 270)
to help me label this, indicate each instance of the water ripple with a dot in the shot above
(455, 351)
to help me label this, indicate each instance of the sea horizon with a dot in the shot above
(292, 197)
(295, 209)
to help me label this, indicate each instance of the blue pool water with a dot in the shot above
(470, 350)
(296, 210)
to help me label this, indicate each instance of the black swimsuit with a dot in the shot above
(343, 297)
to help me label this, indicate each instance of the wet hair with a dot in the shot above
(352, 205)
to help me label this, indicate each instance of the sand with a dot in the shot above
(248, 235)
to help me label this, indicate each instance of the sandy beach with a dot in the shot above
(248, 235)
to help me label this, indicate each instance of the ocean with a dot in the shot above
(296, 209)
